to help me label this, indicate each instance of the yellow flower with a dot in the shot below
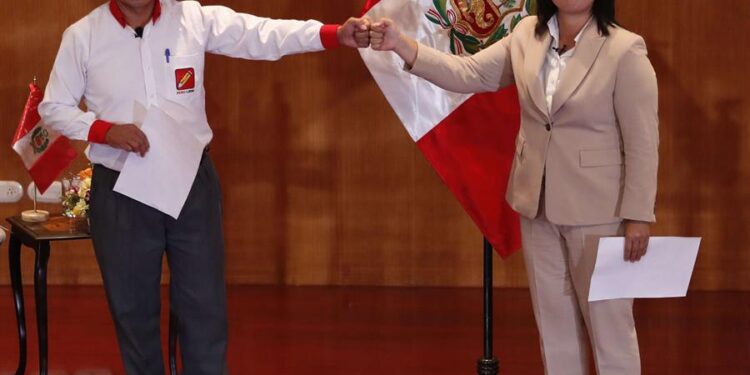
(83, 187)
(80, 208)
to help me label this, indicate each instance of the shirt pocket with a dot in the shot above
(184, 78)
(601, 158)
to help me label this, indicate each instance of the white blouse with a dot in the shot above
(555, 63)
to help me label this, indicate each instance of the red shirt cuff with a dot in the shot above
(98, 131)
(329, 37)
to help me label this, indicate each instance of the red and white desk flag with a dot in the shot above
(44, 153)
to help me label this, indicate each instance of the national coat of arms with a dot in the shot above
(476, 24)
(39, 139)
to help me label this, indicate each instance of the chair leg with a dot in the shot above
(173, 333)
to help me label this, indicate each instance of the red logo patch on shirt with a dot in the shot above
(184, 79)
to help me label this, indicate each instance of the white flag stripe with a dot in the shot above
(419, 104)
(26, 151)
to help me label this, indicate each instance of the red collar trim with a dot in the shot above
(120, 17)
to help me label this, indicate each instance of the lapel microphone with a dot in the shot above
(139, 32)
(560, 50)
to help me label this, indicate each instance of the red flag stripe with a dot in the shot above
(53, 161)
(30, 116)
(368, 5)
(472, 150)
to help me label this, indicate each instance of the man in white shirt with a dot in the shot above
(130, 54)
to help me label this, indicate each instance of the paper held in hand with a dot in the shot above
(664, 271)
(162, 178)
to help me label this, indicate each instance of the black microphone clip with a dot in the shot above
(139, 32)
(560, 50)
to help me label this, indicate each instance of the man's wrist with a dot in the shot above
(98, 131)
(330, 36)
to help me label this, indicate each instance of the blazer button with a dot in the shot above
(548, 127)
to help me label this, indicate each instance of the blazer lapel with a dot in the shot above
(535, 56)
(578, 65)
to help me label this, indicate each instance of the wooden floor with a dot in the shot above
(389, 331)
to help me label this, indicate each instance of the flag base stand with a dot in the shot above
(488, 366)
(34, 216)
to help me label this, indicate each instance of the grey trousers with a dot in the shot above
(130, 240)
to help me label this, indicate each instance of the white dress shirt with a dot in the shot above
(555, 63)
(119, 75)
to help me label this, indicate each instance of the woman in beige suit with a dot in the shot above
(585, 164)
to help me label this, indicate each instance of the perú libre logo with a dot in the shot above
(477, 24)
(39, 139)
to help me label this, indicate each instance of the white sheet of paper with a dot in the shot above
(664, 271)
(163, 177)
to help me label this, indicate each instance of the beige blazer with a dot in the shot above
(596, 149)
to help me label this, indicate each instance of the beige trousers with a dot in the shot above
(559, 262)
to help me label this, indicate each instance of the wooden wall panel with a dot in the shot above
(698, 51)
(28, 48)
(321, 185)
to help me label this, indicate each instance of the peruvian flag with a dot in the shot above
(468, 139)
(44, 152)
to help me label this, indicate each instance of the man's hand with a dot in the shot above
(354, 33)
(384, 35)
(127, 137)
(636, 239)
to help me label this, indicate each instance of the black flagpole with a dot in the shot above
(488, 364)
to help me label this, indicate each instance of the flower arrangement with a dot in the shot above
(76, 195)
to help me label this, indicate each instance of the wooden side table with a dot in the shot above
(38, 236)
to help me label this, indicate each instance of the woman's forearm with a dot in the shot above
(407, 49)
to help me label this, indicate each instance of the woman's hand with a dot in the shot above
(636, 239)
(385, 36)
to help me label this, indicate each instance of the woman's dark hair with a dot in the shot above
(602, 10)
